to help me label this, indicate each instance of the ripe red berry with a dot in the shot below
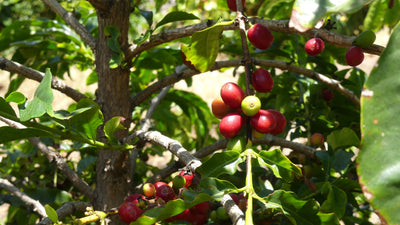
(134, 198)
(201, 208)
(231, 124)
(280, 121)
(262, 80)
(232, 4)
(327, 94)
(314, 46)
(159, 184)
(232, 94)
(188, 175)
(129, 212)
(240, 200)
(165, 192)
(354, 56)
(219, 108)
(260, 36)
(263, 121)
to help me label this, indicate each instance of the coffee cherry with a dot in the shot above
(240, 200)
(280, 121)
(262, 80)
(250, 105)
(232, 4)
(232, 94)
(201, 208)
(135, 198)
(263, 121)
(314, 46)
(259, 36)
(231, 124)
(327, 94)
(165, 192)
(129, 212)
(178, 182)
(365, 39)
(222, 214)
(316, 140)
(219, 108)
(188, 175)
(159, 184)
(354, 56)
(149, 189)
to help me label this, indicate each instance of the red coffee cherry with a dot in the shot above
(232, 94)
(129, 212)
(327, 94)
(280, 121)
(165, 192)
(260, 36)
(231, 124)
(232, 4)
(354, 56)
(314, 46)
(263, 122)
(188, 175)
(219, 108)
(262, 80)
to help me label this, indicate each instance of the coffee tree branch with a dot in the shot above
(30, 202)
(60, 85)
(69, 18)
(57, 160)
(67, 209)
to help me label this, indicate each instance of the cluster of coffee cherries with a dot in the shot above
(233, 107)
(158, 194)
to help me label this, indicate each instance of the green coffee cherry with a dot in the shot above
(365, 39)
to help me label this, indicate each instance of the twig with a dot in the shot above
(332, 83)
(274, 25)
(67, 209)
(69, 18)
(32, 203)
(233, 210)
(173, 146)
(14, 67)
(56, 159)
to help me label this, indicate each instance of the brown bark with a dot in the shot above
(113, 98)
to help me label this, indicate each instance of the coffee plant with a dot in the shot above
(299, 134)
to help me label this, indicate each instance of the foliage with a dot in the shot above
(275, 182)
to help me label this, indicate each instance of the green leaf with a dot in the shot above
(6, 108)
(11, 133)
(16, 97)
(306, 13)
(378, 160)
(375, 16)
(116, 60)
(328, 218)
(51, 213)
(176, 16)
(219, 163)
(335, 202)
(343, 138)
(111, 126)
(298, 211)
(42, 100)
(92, 78)
(216, 188)
(204, 47)
(148, 15)
(286, 168)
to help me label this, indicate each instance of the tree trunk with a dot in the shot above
(113, 97)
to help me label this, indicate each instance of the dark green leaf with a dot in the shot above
(219, 163)
(378, 160)
(216, 188)
(176, 16)
(51, 213)
(335, 202)
(148, 15)
(5, 108)
(286, 168)
(116, 60)
(11, 134)
(342, 160)
(42, 100)
(298, 211)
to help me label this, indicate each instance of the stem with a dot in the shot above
(249, 187)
